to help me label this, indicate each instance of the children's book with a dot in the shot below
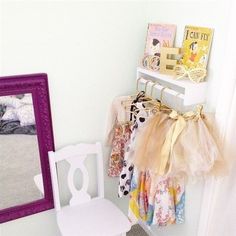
(159, 35)
(196, 46)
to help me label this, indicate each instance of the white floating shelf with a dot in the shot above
(189, 92)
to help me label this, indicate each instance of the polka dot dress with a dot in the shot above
(127, 171)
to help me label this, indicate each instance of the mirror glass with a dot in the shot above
(20, 168)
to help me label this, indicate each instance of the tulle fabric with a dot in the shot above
(197, 153)
(180, 145)
(150, 142)
(220, 167)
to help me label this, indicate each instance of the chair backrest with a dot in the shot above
(75, 155)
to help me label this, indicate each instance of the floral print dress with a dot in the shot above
(156, 200)
(118, 134)
(121, 137)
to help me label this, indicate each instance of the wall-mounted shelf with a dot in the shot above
(188, 92)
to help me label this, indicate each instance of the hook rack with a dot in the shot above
(182, 91)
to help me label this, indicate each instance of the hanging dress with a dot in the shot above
(139, 120)
(118, 134)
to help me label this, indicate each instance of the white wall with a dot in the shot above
(90, 51)
(208, 13)
(211, 14)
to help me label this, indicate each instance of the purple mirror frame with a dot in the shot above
(37, 85)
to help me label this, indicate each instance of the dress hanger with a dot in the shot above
(139, 94)
(152, 104)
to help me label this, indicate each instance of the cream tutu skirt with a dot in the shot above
(187, 145)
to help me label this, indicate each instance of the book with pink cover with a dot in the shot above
(159, 35)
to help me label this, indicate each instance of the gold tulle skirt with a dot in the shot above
(150, 141)
(186, 145)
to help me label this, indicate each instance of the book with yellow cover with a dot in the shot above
(196, 46)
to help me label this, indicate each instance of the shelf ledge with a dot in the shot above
(192, 93)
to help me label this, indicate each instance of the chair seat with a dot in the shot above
(98, 217)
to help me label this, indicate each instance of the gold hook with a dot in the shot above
(146, 83)
(145, 89)
(161, 96)
(154, 84)
(137, 82)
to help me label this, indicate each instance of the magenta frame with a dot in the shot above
(37, 85)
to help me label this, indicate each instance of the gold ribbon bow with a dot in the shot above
(196, 75)
(172, 136)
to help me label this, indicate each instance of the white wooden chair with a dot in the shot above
(85, 216)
